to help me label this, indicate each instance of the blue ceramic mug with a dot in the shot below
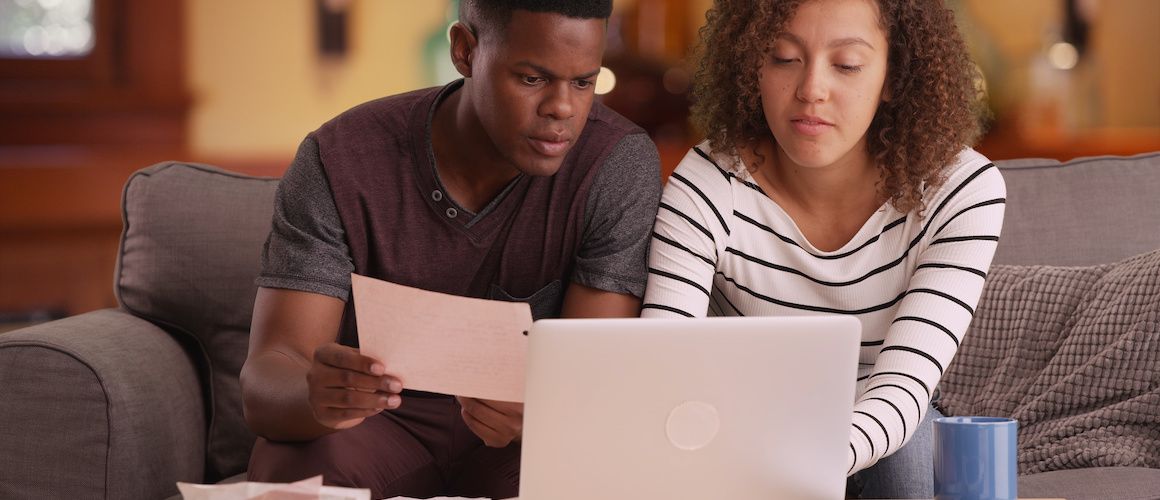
(975, 458)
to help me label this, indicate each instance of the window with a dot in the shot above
(92, 72)
(46, 28)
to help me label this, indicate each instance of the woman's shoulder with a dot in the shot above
(972, 172)
(704, 167)
(971, 179)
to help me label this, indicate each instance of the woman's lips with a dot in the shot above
(808, 125)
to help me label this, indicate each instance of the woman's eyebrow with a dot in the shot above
(841, 42)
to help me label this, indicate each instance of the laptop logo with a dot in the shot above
(692, 425)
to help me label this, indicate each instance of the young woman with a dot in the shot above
(837, 179)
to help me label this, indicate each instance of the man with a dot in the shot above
(509, 184)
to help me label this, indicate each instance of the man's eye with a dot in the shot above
(583, 84)
(532, 80)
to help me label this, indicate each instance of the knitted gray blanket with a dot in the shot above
(1074, 355)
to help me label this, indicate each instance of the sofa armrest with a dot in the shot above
(99, 405)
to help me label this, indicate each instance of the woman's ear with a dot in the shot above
(463, 45)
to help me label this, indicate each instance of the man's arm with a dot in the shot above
(498, 423)
(586, 302)
(611, 268)
(297, 383)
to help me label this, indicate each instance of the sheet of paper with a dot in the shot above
(444, 343)
(306, 489)
(447, 498)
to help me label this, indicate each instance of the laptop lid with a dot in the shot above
(675, 409)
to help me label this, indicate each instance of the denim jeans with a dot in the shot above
(908, 473)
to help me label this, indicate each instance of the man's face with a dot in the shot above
(533, 84)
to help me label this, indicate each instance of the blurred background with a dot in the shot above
(92, 90)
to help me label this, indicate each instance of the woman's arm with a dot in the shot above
(933, 316)
(689, 234)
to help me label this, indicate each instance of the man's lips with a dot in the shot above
(550, 146)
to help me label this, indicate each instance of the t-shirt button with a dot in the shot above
(437, 195)
(451, 212)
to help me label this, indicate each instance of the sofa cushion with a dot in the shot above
(1073, 353)
(1103, 483)
(99, 405)
(190, 251)
(1084, 212)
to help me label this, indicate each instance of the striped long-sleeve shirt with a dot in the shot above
(722, 247)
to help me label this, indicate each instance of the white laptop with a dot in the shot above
(682, 409)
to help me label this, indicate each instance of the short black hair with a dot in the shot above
(484, 16)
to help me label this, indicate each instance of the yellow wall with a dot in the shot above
(1116, 85)
(259, 85)
(1127, 41)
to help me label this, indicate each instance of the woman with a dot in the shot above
(837, 179)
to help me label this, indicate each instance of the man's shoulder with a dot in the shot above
(602, 118)
(393, 111)
(609, 137)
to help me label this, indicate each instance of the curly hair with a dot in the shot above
(934, 111)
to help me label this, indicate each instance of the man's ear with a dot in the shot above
(463, 46)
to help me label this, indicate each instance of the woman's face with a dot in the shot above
(822, 80)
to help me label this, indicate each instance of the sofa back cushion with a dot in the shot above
(1073, 353)
(190, 251)
(1086, 211)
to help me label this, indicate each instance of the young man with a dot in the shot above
(509, 184)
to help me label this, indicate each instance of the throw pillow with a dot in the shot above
(190, 251)
(1073, 353)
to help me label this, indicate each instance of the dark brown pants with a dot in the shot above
(422, 449)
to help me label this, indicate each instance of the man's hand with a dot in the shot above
(497, 423)
(346, 387)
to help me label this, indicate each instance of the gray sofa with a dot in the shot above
(122, 403)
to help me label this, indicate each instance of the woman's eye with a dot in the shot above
(783, 60)
(848, 68)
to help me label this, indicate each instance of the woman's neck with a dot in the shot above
(829, 204)
(850, 184)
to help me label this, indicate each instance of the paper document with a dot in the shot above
(447, 498)
(306, 489)
(443, 343)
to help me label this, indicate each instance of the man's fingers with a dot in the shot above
(503, 407)
(496, 429)
(340, 366)
(490, 436)
(340, 356)
(353, 399)
(346, 424)
(390, 384)
(339, 378)
(485, 412)
(351, 413)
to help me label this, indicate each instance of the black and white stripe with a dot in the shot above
(913, 280)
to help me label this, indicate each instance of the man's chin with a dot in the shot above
(541, 167)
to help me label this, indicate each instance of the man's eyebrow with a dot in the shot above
(552, 76)
(841, 42)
